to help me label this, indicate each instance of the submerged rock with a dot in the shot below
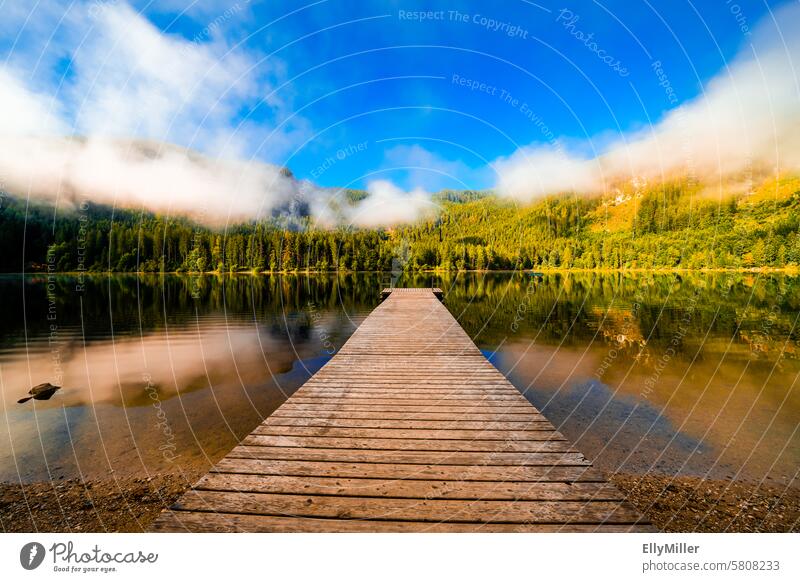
(40, 392)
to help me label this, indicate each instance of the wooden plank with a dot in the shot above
(408, 428)
(323, 415)
(408, 393)
(407, 409)
(426, 510)
(526, 446)
(427, 489)
(545, 458)
(566, 473)
(193, 521)
(414, 401)
(545, 433)
(457, 424)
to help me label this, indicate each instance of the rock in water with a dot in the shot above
(40, 392)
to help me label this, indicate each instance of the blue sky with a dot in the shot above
(394, 75)
(345, 92)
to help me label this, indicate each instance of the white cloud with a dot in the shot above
(536, 171)
(128, 79)
(23, 111)
(148, 174)
(389, 205)
(132, 80)
(173, 180)
(131, 89)
(748, 117)
(430, 171)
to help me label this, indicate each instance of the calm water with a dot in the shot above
(646, 373)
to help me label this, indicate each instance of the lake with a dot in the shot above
(692, 374)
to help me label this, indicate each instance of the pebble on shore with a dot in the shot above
(674, 504)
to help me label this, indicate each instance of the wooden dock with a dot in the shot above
(408, 428)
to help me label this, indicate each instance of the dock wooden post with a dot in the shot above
(408, 428)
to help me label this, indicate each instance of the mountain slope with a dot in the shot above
(673, 225)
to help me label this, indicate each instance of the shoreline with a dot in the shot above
(790, 270)
(674, 504)
(685, 504)
(126, 505)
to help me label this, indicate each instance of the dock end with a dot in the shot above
(438, 293)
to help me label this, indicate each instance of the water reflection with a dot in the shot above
(645, 372)
(666, 373)
(159, 380)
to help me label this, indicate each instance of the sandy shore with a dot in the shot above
(683, 504)
(124, 505)
(689, 504)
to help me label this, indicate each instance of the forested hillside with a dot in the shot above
(673, 225)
